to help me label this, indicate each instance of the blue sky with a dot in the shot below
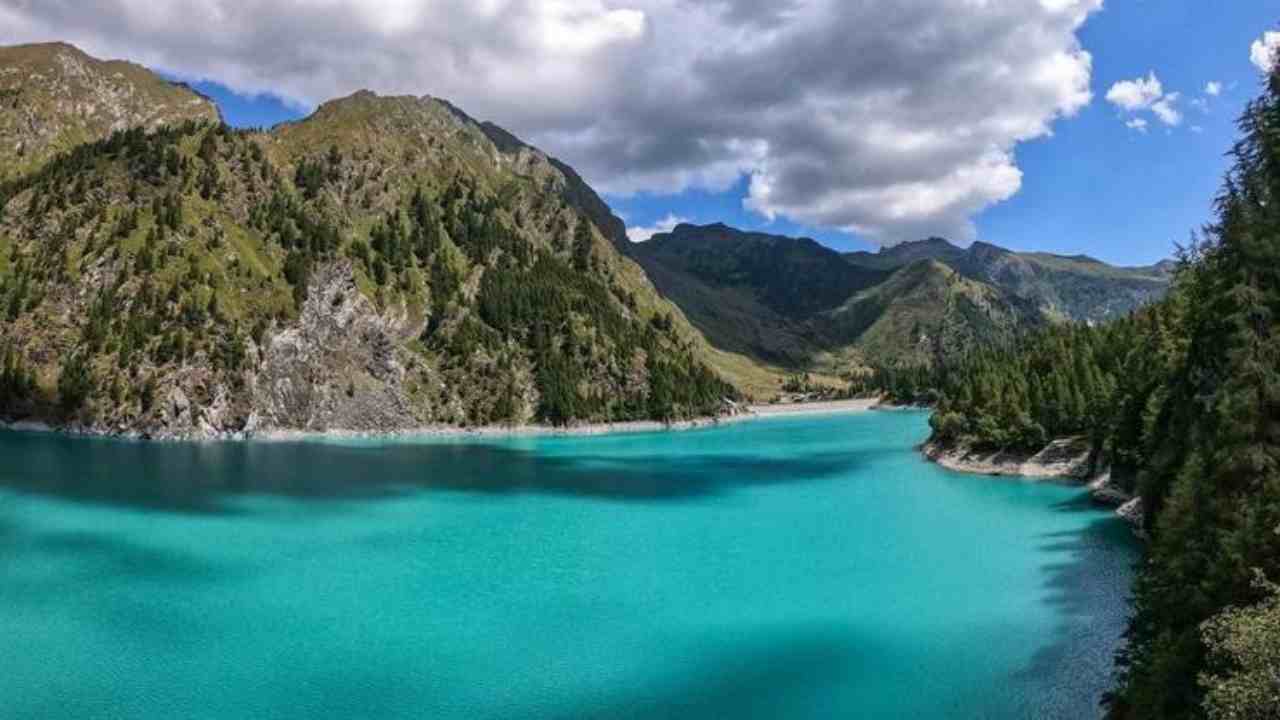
(1093, 186)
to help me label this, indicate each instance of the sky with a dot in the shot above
(1069, 126)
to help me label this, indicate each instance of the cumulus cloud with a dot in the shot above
(1213, 88)
(1145, 94)
(894, 119)
(666, 224)
(1164, 109)
(1264, 51)
(1136, 94)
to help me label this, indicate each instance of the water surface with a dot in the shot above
(798, 567)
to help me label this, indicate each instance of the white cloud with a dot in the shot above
(1164, 109)
(1137, 94)
(1145, 94)
(1264, 50)
(1213, 88)
(666, 224)
(894, 119)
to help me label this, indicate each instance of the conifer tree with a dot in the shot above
(1212, 490)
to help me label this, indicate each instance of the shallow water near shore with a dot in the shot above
(806, 567)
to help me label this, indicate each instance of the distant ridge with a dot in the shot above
(796, 302)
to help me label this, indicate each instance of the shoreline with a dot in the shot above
(1063, 459)
(745, 414)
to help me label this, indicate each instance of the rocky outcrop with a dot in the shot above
(1063, 458)
(338, 367)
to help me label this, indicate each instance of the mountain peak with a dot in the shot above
(979, 247)
(54, 96)
(929, 242)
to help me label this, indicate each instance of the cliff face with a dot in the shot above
(382, 265)
(54, 97)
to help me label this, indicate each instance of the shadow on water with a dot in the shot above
(198, 478)
(112, 575)
(1088, 586)
(769, 673)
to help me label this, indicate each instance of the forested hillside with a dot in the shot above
(381, 265)
(1183, 399)
(1105, 382)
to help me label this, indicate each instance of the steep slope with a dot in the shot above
(54, 97)
(381, 265)
(1063, 287)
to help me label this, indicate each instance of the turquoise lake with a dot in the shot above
(810, 567)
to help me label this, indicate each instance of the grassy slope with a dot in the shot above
(924, 310)
(54, 97)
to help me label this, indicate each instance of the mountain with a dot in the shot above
(892, 257)
(751, 293)
(385, 264)
(922, 312)
(1075, 287)
(54, 97)
(800, 305)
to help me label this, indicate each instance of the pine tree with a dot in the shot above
(1213, 488)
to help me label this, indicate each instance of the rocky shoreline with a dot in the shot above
(1064, 459)
(735, 414)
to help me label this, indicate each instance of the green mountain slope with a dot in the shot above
(1063, 287)
(381, 265)
(54, 97)
(926, 311)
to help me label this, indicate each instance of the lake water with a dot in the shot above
(788, 568)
